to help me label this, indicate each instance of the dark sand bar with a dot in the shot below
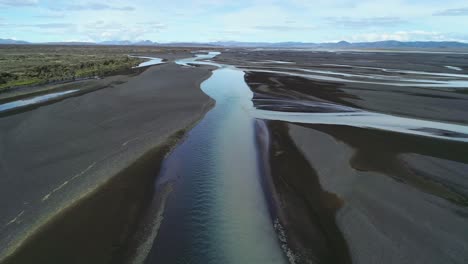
(398, 198)
(75, 174)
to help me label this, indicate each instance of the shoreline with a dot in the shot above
(22, 92)
(122, 75)
(60, 231)
(151, 218)
(82, 87)
(72, 224)
(157, 152)
(394, 188)
(305, 213)
(291, 250)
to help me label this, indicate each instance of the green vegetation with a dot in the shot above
(463, 91)
(27, 65)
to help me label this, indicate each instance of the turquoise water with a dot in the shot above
(217, 211)
(151, 61)
(32, 100)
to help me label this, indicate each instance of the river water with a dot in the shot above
(151, 61)
(217, 212)
(33, 100)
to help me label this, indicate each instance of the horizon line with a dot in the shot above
(236, 41)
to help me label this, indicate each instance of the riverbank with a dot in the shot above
(100, 227)
(349, 195)
(304, 211)
(84, 83)
(69, 89)
(400, 198)
(91, 161)
(31, 65)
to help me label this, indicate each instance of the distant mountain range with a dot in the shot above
(389, 44)
(12, 41)
(348, 45)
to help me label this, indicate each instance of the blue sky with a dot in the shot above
(240, 20)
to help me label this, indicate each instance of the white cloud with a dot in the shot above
(269, 18)
(19, 2)
(416, 35)
(242, 20)
(40, 25)
(285, 28)
(366, 22)
(102, 31)
(453, 12)
(92, 6)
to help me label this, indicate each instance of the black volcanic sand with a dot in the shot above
(99, 228)
(413, 102)
(404, 198)
(82, 87)
(58, 162)
(305, 210)
(351, 195)
(433, 62)
(444, 104)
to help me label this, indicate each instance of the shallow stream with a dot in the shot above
(217, 212)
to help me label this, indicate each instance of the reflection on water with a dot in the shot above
(217, 212)
(307, 111)
(454, 68)
(402, 71)
(199, 59)
(34, 100)
(298, 106)
(274, 61)
(151, 61)
(384, 80)
(364, 119)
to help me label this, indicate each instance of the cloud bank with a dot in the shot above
(241, 20)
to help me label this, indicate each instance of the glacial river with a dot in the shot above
(217, 212)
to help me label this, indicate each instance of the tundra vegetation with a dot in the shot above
(30, 65)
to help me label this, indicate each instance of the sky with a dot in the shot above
(234, 20)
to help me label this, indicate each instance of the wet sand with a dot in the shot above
(100, 228)
(78, 87)
(60, 199)
(403, 197)
(305, 211)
